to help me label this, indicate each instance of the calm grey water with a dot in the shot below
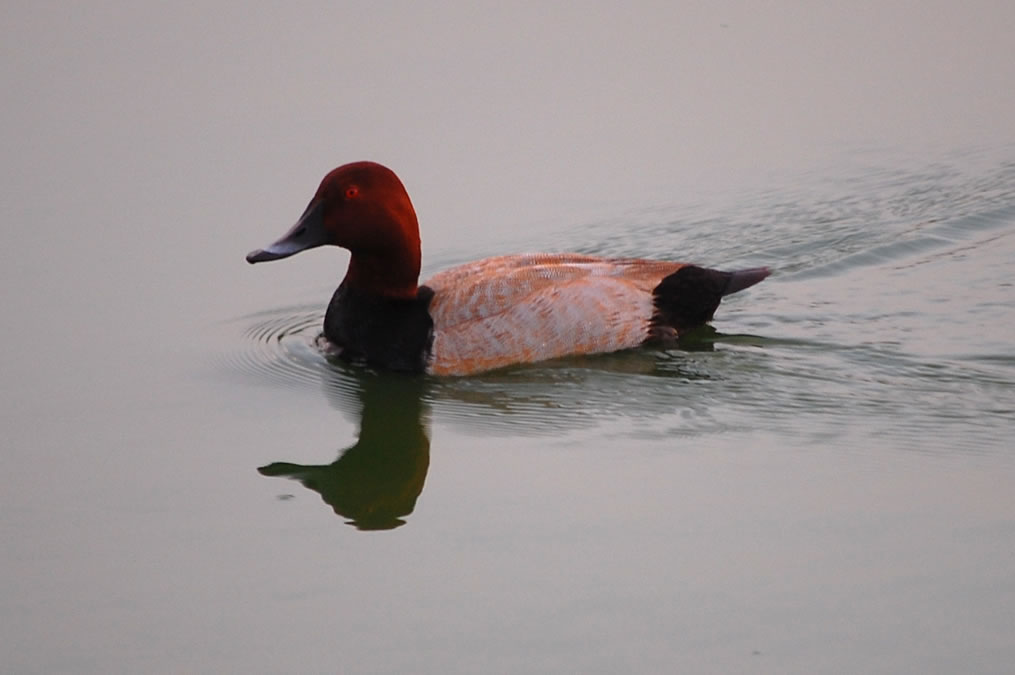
(822, 483)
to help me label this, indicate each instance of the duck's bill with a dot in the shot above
(308, 232)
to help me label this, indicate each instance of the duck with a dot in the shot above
(488, 314)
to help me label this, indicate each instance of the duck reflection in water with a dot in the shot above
(375, 483)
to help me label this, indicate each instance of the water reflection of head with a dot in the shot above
(374, 483)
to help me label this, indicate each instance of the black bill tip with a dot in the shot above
(258, 256)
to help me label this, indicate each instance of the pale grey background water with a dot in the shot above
(828, 489)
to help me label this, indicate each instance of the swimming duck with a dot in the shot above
(490, 313)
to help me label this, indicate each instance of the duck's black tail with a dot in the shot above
(742, 279)
(689, 297)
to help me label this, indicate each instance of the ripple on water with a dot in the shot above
(277, 347)
(281, 347)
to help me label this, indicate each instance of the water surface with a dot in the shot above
(820, 483)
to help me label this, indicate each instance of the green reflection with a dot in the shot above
(374, 483)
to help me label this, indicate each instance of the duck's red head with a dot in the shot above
(362, 207)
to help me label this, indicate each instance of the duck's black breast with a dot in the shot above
(389, 333)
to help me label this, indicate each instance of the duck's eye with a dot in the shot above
(352, 192)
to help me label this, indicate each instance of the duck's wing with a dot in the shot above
(523, 309)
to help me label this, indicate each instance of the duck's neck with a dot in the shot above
(389, 273)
